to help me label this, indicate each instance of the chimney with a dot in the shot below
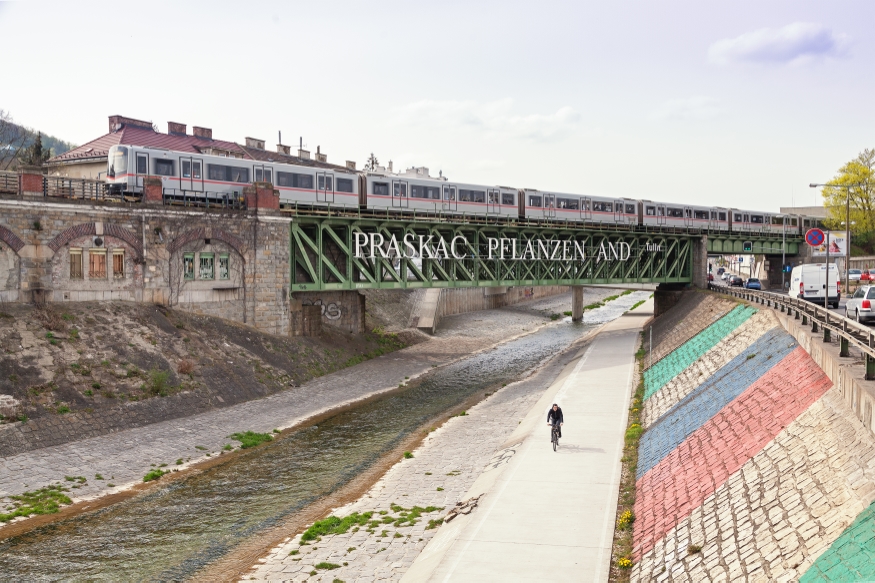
(281, 149)
(320, 157)
(175, 129)
(350, 165)
(203, 133)
(117, 122)
(303, 154)
(255, 143)
(390, 165)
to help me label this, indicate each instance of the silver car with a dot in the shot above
(854, 274)
(861, 305)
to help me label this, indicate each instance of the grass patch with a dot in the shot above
(335, 525)
(154, 475)
(555, 317)
(439, 489)
(693, 549)
(98, 477)
(636, 304)
(46, 500)
(158, 382)
(63, 409)
(407, 455)
(409, 516)
(200, 447)
(327, 566)
(434, 523)
(251, 439)
(566, 313)
(622, 548)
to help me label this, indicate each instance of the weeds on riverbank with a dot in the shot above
(154, 475)
(623, 532)
(335, 525)
(46, 500)
(250, 438)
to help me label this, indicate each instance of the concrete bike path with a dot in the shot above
(544, 514)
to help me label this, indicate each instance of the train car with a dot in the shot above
(209, 178)
(755, 222)
(425, 195)
(790, 225)
(683, 216)
(578, 208)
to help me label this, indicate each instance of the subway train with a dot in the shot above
(189, 177)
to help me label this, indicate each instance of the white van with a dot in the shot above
(809, 282)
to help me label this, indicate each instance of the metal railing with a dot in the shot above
(9, 182)
(77, 188)
(819, 318)
(206, 199)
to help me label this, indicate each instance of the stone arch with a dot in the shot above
(11, 239)
(90, 229)
(206, 233)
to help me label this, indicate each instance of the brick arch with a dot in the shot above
(201, 233)
(11, 239)
(90, 230)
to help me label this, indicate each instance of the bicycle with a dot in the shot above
(554, 436)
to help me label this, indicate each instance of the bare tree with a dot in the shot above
(13, 140)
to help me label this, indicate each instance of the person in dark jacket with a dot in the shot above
(555, 416)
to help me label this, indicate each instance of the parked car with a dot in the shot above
(736, 281)
(753, 283)
(867, 275)
(860, 305)
(710, 277)
(855, 274)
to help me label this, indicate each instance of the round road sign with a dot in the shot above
(815, 237)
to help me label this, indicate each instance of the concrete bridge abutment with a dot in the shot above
(577, 303)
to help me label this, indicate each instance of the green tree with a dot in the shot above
(861, 171)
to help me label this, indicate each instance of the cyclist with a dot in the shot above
(554, 416)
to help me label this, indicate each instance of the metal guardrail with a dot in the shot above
(819, 318)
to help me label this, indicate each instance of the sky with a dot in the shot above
(740, 103)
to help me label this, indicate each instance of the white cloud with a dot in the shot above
(695, 108)
(495, 117)
(797, 42)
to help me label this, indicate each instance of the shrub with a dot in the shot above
(407, 455)
(158, 382)
(95, 385)
(154, 475)
(693, 549)
(251, 439)
(185, 366)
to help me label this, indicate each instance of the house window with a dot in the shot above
(118, 263)
(97, 264)
(75, 263)
(207, 267)
(188, 266)
(224, 266)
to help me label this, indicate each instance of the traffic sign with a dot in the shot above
(815, 237)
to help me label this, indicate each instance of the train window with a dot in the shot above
(567, 203)
(713, 215)
(344, 185)
(196, 170)
(380, 188)
(688, 213)
(700, 214)
(675, 212)
(746, 218)
(449, 193)
(721, 216)
(794, 222)
(507, 198)
(535, 201)
(586, 205)
(660, 211)
(472, 195)
(604, 207)
(736, 217)
(650, 211)
(164, 167)
(400, 189)
(758, 219)
(186, 169)
(227, 173)
(142, 164)
(292, 180)
(630, 209)
(324, 182)
(419, 191)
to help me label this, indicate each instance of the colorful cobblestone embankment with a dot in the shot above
(752, 466)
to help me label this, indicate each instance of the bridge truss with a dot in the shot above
(323, 256)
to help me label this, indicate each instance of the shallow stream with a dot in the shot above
(173, 531)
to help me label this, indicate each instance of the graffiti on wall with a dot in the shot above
(331, 310)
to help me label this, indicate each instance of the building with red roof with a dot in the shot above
(90, 160)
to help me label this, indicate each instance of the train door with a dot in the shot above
(688, 216)
(493, 200)
(262, 173)
(399, 194)
(449, 201)
(191, 176)
(618, 212)
(549, 205)
(142, 169)
(586, 208)
(324, 187)
(660, 214)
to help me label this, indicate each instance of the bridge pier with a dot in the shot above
(577, 303)
(666, 296)
(700, 262)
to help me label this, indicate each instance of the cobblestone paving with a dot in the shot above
(440, 473)
(673, 364)
(692, 314)
(782, 510)
(707, 366)
(123, 458)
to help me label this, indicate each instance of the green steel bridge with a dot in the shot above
(355, 252)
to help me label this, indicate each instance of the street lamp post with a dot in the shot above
(847, 188)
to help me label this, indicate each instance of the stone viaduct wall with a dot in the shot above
(233, 265)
